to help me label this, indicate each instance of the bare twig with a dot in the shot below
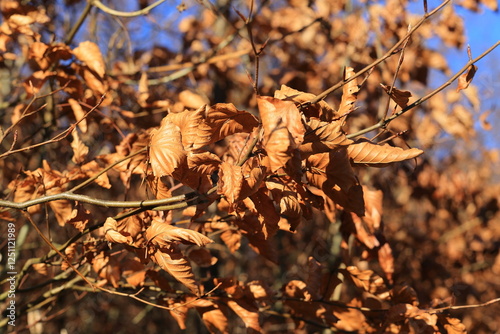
(115, 12)
(461, 307)
(388, 54)
(56, 138)
(384, 122)
(51, 245)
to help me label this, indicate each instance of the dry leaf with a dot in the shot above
(80, 150)
(349, 93)
(283, 130)
(89, 53)
(322, 137)
(368, 281)
(80, 217)
(166, 152)
(173, 262)
(111, 232)
(369, 154)
(192, 100)
(163, 235)
(230, 182)
(79, 113)
(401, 97)
(466, 78)
(223, 119)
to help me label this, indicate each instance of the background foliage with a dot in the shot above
(311, 227)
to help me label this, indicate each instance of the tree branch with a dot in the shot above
(114, 12)
(393, 50)
(384, 122)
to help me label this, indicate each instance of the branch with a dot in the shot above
(56, 138)
(114, 12)
(384, 122)
(460, 307)
(393, 50)
(147, 204)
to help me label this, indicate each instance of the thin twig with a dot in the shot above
(384, 122)
(388, 54)
(56, 138)
(115, 12)
(51, 245)
(78, 24)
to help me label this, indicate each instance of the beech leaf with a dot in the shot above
(374, 155)
(349, 92)
(173, 262)
(166, 152)
(465, 79)
(230, 182)
(111, 232)
(89, 53)
(163, 235)
(283, 130)
(322, 137)
(401, 97)
(223, 119)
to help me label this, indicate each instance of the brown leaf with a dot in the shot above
(133, 271)
(190, 123)
(401, 97)
(163, 235)
(91, 169)
(230, 182)
(248, 311)
(166, 151)
(107, 268)
(322, 137)
(192, 100)
(79, 217)
(320, 110)
(232, 239)
(283, 130)
(70, 252)
(111, 232)
(80, 150)
(466, 78)
(173, 262)
(368, 281)
(373, 155)
(314, 277)
(89, 53)
(452, 325)
(214, 317)
(79, 113)
(202, 257)
(386, 260)
(223, 119)
(349, 93)
(143, 89)
(333, 173)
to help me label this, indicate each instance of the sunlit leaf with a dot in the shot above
(283, 130)
(163, 235)
(401, 97)
(111, 232)
(230, 181)
(369, 154)
(349, 93)
(166, 152)
(89, 53)
(223, 119)
(466, 78)
(173, 262)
